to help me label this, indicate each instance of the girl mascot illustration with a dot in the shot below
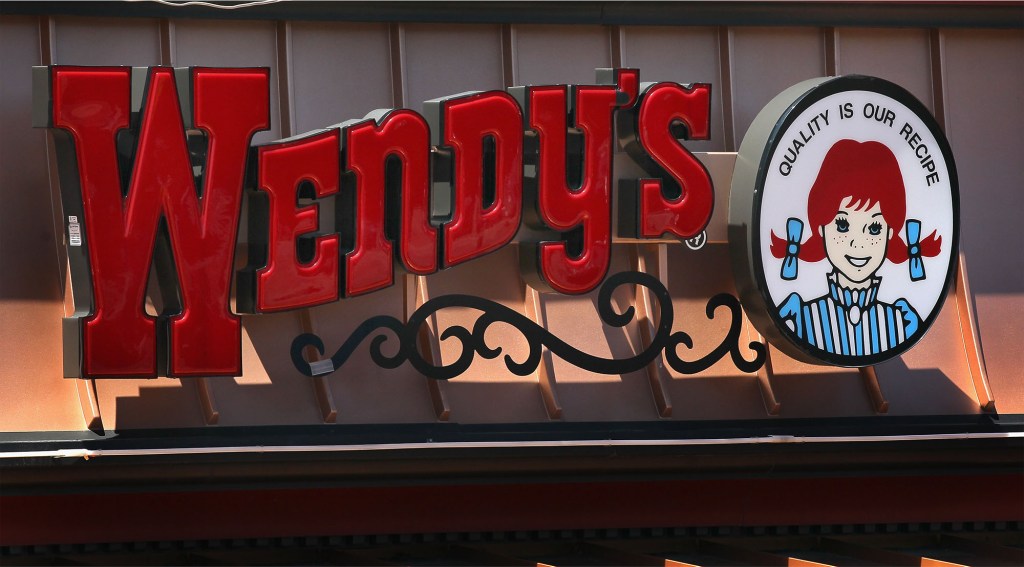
(855, 208)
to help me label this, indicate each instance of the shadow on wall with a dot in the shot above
(273, 392)
(825, 395)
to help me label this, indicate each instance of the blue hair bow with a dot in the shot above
(794, 231)
(914, 250)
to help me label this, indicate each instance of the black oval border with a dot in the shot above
(804, 101)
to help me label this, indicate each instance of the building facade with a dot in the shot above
(917, 456)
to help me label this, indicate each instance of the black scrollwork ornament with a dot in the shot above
(472, 341)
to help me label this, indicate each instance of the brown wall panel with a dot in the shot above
(339, 72)
(36, 395)
(899, 55)
(363, 391)
(107, 41)
(271, 392)
(765, 61)
(231, 44)
(487, 392)
(441, 60)
(927, 379)
(140, 404)
(26, 217)
(722, 391)
(984, 81)
(586, 396)
(683, 55)
(560, 55)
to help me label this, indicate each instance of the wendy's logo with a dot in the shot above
(844, 220)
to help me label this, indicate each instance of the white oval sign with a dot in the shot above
(844, 220)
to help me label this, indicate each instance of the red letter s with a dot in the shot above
(681, 197)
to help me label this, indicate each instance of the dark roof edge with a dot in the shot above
(1009, 15)
(402, 433)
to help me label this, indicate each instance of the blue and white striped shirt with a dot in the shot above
(850, 322)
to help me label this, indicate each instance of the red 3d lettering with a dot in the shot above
(391, 165)
(92, 105)
(159, 185)
(306, 167)
(485, 134)
(680, 198)
(582, 213)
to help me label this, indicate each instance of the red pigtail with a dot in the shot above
(897, 252)
(778, 247)
(813, 250)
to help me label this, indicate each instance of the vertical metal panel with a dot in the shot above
(207, 401)
(285, 84)
(652, 259)
(586, 396)
(107, 41)
(722, 391)
(768, 60)
(340, 72)
(330, 83)
(558, 55)
(566, 55)
(831, 51)
(167, 47)
(487, 392)
(26, 224)
(934, 377)
(684, 55)
(617, 37)
(443, 60)
(984, 82)
(232, 44)
(38, 398)
(363, 392)
(725, 64)
(509, 57)
(972, 338)
(286, 92)
(937, 46)
(260, 396)
(898, 55)
(449, 59)
(399, 80)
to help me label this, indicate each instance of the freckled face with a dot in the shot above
(856, 240)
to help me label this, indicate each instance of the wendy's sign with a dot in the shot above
(844, 220)
(840, 184)
(153, 165)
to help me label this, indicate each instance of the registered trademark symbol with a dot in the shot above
(697, 242)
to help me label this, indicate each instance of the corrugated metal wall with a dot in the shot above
(326, 72)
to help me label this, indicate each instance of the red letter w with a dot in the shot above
(93, 105)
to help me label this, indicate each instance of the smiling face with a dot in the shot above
(856, 241)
